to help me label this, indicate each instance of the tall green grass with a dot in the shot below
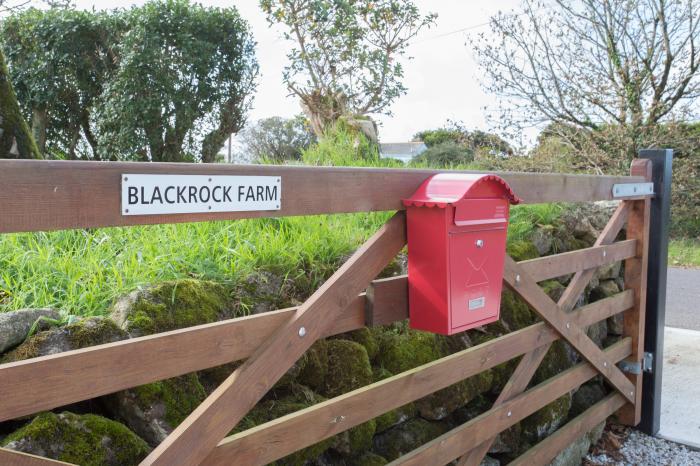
(684, 253)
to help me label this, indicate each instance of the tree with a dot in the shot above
(185, 77)
(615, 68)
(277, 139)
(61, 59)
(15, 139)
(344, 59)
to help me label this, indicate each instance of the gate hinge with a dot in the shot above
(636, 368)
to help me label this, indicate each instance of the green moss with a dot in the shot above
(314, 365)
(515, 313)
(365, 337)
(407, 437)
(177, 304)
(555, 361)
(401, 349)
(442, 403)
(297, 398)
(545, 421)
(93, 331)
(179, 396)
(13, 127)
(553, 288)
(356, 440)
(80, 439)
(31, 348)
(521, 250)
(348, 368)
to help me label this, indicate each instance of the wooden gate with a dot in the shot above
(40, 195)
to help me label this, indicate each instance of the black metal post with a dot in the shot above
(661, 161)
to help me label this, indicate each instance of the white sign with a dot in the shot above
(183, 194)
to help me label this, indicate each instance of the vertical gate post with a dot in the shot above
(661, 160)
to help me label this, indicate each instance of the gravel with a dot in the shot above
(640, 449)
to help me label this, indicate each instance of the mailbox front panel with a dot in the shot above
(476, 274)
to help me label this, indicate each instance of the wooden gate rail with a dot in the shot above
(52, 377)
(39, 195)
(280, 437)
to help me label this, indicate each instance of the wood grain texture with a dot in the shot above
(549, 448)
(16, 458)
(52, 195)
(450, 445)
(636, 280)
(558, 265)
(200, 432)
(280, 437)
(72, 376)
(387, 301)
(521, 283)
(527, 367)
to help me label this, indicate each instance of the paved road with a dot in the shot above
(683, 298)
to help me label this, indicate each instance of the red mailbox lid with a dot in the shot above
(446, 189)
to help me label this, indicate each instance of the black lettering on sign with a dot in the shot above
(241, 188)
(133, 195)
(181, 195)
(227, 194)
(202, 190)
(270, 193)
(250, 194)
(167, 197)
(260, 192)
(143, 196)
(156, 195)
(213, 194)
(193, 194)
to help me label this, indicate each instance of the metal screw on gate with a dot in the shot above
(209, 179)
(480, 243)
(605, 253)
(126, 178)
(302, 332)
(517, 279)
(605, 364)
(510, 413)
(568, 325)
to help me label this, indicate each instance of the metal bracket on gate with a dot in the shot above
(632, 189)
(636, 368)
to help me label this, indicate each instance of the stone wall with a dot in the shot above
(121, 428)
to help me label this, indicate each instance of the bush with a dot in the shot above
(446, 154)
(277, 139)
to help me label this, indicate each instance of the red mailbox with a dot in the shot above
(457, 225)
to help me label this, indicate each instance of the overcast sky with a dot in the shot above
(441, 78)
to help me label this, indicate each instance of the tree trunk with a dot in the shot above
(16, 141)
(230, 123)
(39, 124)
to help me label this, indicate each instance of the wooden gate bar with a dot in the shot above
(521, 282)
(636, 280)
(199, 433)
(41, 195)
(280, 437)
(550, 447)
(17, 458)
(528, 365)
(450, 445)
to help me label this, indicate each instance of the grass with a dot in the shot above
(684, 252)
(82, 271)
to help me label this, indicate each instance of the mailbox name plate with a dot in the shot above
(144, 194)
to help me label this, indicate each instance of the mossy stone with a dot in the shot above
(553, 288)
(515, 313)
(172, 305)
(401, 349)
(545, 421)
(442, 403)
(155, 409)
(367, 459)
(521, 250)
(348, 368)
(406, 437)
(297, 397)
(356, 440)
(395, 416)
(555, 361)
(81, 439)
(86, 332)
(313, 365)
(366, 338)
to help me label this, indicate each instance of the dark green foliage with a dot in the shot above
(166, 81)
(446, 154)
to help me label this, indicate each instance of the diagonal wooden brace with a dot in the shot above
(522, 283)
(529, 363)
(197, 436)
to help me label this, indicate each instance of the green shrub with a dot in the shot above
(446, 154)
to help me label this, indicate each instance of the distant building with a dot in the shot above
(404, 151)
